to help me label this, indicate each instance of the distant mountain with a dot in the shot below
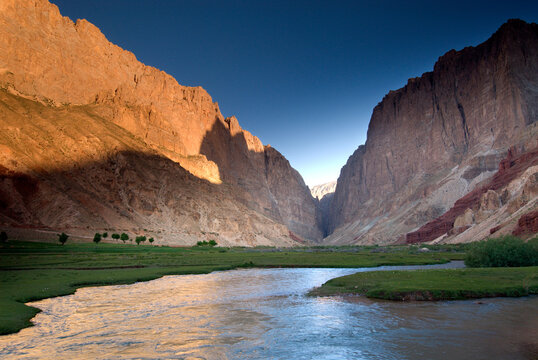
(442, 136)
(319, 191)
(93, 140)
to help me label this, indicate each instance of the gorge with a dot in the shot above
(94, 140)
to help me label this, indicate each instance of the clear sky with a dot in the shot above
(303, 76)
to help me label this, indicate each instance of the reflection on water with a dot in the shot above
(263, 314)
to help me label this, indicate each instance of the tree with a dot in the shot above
(211, 243)
(3, 237)
(97, 238)
(62, 238)
(116, 236)
(105, 235)
(124, 237)
(151, 240)
(140, 239)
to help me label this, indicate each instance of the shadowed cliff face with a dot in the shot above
(137, 193)
(73, 68)
(435, 139)
(263, 178)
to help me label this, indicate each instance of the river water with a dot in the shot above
(264, 314)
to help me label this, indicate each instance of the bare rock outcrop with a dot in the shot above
(438, 138)
(527, 224)
(465, 219)
(71, 67)
(514, 173)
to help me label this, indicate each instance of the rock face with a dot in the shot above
(527, 224)
(437, 138)
(490, 208)
(219, 177)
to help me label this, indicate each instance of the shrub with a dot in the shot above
(105, 235)
(97, 238)
(116, 236)
(62, 238)
(151, 240)
(212, 243)
(3, 237)
(508, 251)
(124, 237)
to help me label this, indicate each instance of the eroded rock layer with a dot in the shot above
(437, 138)
(492, 207)
(102, 91)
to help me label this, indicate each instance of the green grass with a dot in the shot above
(447, 284)
(32, 270)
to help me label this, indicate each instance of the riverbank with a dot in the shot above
(32, 271)
(450, 284)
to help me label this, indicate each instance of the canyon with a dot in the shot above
(94, 140)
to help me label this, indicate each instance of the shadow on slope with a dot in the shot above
(66, 168)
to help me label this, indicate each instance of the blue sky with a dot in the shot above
(303, 76)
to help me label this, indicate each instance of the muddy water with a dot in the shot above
(263, 314)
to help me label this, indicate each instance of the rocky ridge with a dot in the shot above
(458, 122)
(53, 66)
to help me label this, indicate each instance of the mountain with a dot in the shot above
(439, 138)
(93, 139)
(320, 191)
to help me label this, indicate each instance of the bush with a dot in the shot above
(105, 235)
(3, 237)
(97, 238)
(62, 238)
(508, 251)
(151, 240)
(116, 236)
(124, 237)
(212, 243)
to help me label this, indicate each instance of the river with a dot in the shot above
(264, 314)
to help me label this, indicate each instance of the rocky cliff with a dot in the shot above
(439, 137)
(116, 110)
(504, 204)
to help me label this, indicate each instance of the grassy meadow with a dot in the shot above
(504, 266)
(449, 284)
